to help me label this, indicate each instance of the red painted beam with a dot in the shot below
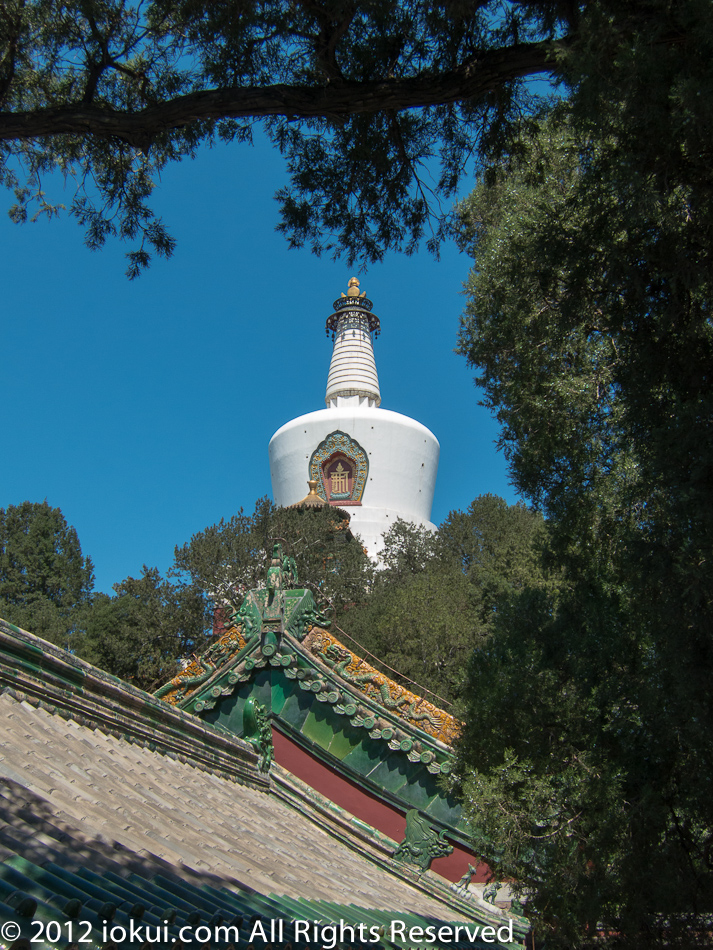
(363, 805)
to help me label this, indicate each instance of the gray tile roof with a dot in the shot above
(101, 824)
(104, 789)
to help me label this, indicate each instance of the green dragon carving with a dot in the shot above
(209, 662)
(258, 732)
(340, 660)
(250, 617)
(421, 843)
(309, 616)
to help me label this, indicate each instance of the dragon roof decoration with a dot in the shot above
(280, 626)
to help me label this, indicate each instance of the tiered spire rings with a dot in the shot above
(352, 371)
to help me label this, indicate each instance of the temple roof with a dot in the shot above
(97, 788)
(320, 694)
(114, 804)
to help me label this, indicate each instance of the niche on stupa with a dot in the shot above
(340, 466)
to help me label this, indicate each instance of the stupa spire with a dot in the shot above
(352, 375)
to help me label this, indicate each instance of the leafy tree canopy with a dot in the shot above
(359, 97)
(589, 323)
(419, 621)
(436, 595)
(501, 548)
(230, 558)
(140, 633)
(45, 580)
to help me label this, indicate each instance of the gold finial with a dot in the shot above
(313, 500)
(353, 287)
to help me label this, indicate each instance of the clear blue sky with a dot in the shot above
(144, 409)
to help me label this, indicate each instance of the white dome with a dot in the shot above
(402, 465)
(376, 464)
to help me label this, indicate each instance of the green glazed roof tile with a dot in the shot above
(282, 688)
(365, 757)
(316, 728)
(296, 709)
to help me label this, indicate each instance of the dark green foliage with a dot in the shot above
(45, 581)
(331, 561)
(501, 548)
(423, 626)
(408, 551)
(380, 109)
(590, 325)
(436, 596)
(140, 633)
(580, 781)
(230, 558)
(421, 614)
(377, 107)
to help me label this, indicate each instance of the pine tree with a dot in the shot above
(45, 581)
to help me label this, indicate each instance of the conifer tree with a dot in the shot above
(588, 751)
(141, 632)
(435, 595)
(45, 580)
(227, 559)
(380, 109)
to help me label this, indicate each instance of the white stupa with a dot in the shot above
(376, 464)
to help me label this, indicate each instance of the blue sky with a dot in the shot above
(144, 409)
